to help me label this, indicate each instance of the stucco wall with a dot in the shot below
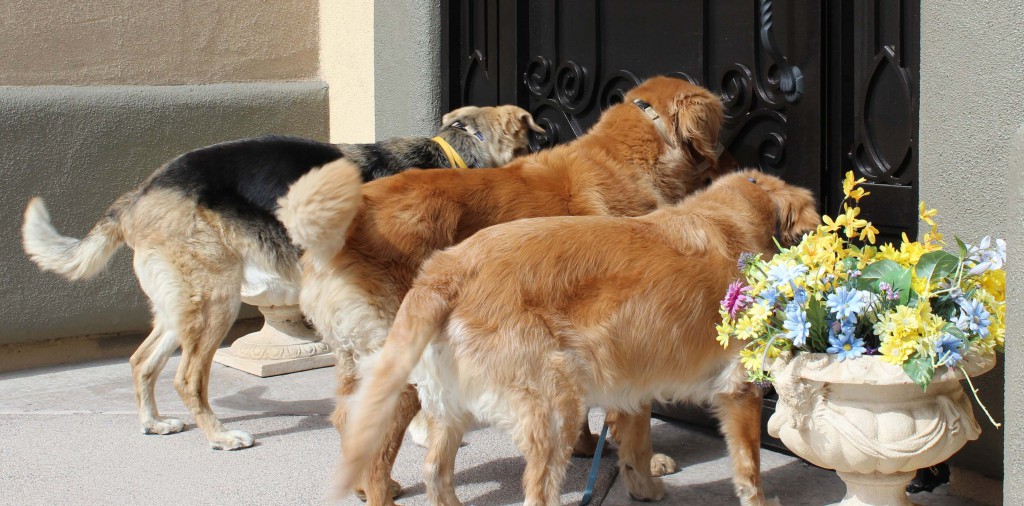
(407, 76)
(1013, 482)
(96, 95)
(119, 42)
(972, 101)
(80, 147)
(346, 64)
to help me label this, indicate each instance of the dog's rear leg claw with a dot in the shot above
(662, 465)
(396, 491)
(586, 445)
(162, 426)
(231, 440)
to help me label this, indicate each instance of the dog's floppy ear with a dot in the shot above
(697, 118)
(460, 114)
(527, 119)
(796, 212)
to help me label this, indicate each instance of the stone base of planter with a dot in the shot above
(284, 345)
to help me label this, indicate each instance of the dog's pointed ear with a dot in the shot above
(527, 119)
(697, 118)
(460, 114)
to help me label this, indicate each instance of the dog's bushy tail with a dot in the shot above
(320, 206)
(72, 258)
(419, 321)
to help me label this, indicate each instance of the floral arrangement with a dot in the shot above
(916, 306)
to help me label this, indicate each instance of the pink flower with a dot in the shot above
(736, 298)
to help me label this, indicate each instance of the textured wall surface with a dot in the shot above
(972, 101)
(1013, 481)
(346, 64)
(81, 147)
(119, 42)
(407, 74)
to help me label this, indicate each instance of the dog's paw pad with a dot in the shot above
(662, 465)
(232, 440)
(163, 426)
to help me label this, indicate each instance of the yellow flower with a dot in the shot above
(850, 187)
(925, 215)
(869, 233)
(921, 286)
(831, 225)
(759, 313)
(745, 328)
(751, 359)
(725, 331)
(994, 282)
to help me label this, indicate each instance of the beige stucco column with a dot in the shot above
(972, 103)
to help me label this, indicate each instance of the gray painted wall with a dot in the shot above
(407, 67)
(972, 102)
(80, 147)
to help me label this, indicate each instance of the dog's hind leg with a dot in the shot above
(146, 363)
(632, 431)
(439, 467)
(378, 484)
(348, 383)
(205, 327)
(545, 433)
(740, 416)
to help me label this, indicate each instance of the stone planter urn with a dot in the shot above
(869, 422)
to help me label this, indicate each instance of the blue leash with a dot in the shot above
(594, 466)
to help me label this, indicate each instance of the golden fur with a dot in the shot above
(526, 324)
(366, 244)
(196, 264)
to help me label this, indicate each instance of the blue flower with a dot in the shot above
(769, 296)
(800, 296)
(796, 324)
(783, 274)
(973, 317)
(846, 346)
(846, 304)
(948, 349)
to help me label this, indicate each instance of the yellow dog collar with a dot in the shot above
(449, 151)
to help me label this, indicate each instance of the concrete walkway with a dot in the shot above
(69, 435)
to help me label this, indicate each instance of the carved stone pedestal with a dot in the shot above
(284, 345)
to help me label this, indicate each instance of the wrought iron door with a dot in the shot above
(857, 62)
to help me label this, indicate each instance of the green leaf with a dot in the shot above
(871, 274)
(899, 280)
(816, 317)
(955, 331)
(936, 265)
(920, 370)
(963, 247)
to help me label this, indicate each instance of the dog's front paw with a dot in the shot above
(663, 464)
(652, 490)
(231, 440)
(163, 426)
(396, 490)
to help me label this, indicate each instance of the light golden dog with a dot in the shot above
(365, 243)
(526, 324)
(205, 238)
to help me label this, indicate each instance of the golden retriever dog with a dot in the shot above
(526, 324)
(365, 243)
(205, 238)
